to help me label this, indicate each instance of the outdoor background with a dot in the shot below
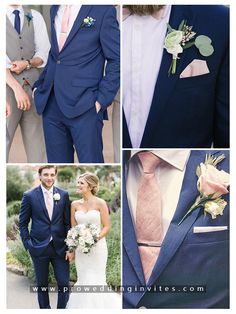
(20, 272)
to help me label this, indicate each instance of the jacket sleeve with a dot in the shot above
(110, 42)
(221, 117)
(67, 213)
(24, 219)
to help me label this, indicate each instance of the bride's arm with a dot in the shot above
(72, 214)
(105, 219)
(71, 255)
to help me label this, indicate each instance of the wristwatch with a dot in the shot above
(29, 66)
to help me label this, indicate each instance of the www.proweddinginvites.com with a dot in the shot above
(126, 289)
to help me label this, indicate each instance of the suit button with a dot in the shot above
(22, 59)
(21, 48)
(58, 62)
(142, 307)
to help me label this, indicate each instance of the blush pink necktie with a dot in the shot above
(148, 213)
(49, 203)
(64, 26)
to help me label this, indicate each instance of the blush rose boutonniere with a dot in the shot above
(176, 41)
(212, 185)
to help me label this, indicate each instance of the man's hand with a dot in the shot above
(70, 256)
(18, 66)
(98, 106)
(22, 98)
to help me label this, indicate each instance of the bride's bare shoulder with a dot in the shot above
(100, 202)
(76, 203)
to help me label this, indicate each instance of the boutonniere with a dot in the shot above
(177, 41)
(29, 17)
(56, 197)
(88, 22)
(212, 184)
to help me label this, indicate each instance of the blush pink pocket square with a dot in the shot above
(195, 68)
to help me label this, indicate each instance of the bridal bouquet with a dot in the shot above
(82, 236)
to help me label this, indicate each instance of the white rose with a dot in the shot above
(175, 50)
(85, 250)
(81, 241)
(172, 43)
(56, 197)
(215, 208)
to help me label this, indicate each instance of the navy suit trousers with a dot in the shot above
(61, 271)
(64, 135)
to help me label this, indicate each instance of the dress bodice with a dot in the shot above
(91, 216)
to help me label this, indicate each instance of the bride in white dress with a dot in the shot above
(91, 267)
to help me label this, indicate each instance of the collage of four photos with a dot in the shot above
(117, 156)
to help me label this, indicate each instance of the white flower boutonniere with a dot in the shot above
(88, 22)
(56, 197)
(177, 41)
(212, 184)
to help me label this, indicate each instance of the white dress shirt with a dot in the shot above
(58, 18)
(170, 175)
(143, 42)
(41, 41)
(45, 192)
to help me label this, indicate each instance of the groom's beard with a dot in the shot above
(47, 185)
(143, 9)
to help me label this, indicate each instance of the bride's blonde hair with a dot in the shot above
(92, 180)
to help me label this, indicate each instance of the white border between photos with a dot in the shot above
(3, 4)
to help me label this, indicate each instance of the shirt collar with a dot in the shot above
(176, 158)
(11, 9)
(47, 191)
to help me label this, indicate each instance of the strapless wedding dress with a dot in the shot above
(91, 271)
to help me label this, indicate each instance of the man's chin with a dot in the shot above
(48, 186)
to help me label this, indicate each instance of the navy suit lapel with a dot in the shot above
(55, 203)
(83, 13)
(176, 234)
(39, 193)
(129, 236)
(54, 43)
(165, 84)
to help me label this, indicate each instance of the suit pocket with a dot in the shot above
(195, 81)
(209, 229)
(206, 237)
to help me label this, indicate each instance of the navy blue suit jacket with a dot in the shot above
(192, 112)
(77, 71)
(33, 209)
(186, 258)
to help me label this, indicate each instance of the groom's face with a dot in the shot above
(48, 177)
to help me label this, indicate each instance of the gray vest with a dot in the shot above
(22, 47)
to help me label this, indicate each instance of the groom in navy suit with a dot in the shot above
(48, 209)
(187, 109)
(193, 254)
(73, 92)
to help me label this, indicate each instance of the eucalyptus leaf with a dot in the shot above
(170, 29)
(206, 50)
(188, 45)
(181, 25)
(202, 40)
